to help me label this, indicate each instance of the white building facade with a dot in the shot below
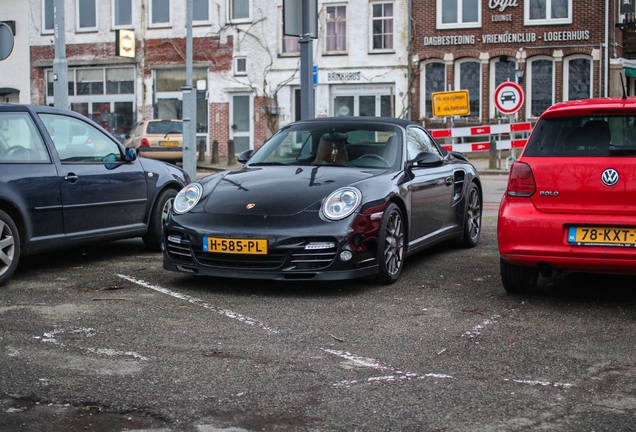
(245, 71)
(15, 82)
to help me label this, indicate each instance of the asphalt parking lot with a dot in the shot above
(101, 338)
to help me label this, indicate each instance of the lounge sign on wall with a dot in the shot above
(500, 6)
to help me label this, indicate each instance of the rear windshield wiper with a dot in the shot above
(622, 150)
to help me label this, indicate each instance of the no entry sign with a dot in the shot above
(508, 97)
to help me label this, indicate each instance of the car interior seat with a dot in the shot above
(331, 150)
(593, 137)
(391, 150)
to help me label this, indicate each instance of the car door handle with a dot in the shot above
(449, 181)
(71, 178)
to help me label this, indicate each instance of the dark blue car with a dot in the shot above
(65, 181)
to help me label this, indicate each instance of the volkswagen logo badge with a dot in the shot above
(610, 177)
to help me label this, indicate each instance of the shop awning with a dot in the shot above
(630, 72)
(8, 90)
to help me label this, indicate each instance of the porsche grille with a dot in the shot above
(288, 258)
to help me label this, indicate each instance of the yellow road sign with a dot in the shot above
(451, 103)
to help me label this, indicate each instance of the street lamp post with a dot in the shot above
(519, 74)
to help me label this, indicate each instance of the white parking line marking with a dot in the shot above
(375, 364)
(199, 302)
(115, 352)
(542, 383)
(52, 336)
(476, 331)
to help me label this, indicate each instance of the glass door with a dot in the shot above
(241, 128)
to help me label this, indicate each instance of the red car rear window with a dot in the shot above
(583, 136)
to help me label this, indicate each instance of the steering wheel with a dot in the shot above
(16, 149)
(374, 156)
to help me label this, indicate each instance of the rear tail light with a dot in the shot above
(144, 143)
(521, 181)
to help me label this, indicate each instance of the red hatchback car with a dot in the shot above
(570, 205)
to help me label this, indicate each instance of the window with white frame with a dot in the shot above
(577, 74)
(548, 12)
(458, 14)
(240, 66)
(468, 77)
(200, 11)
(290, 45)
(432, 80)
(239, 10)
(336, 25)
(86, 15)
(122, 13)
(159, 13)
(382, 26)
(540, 79)
(48, 16)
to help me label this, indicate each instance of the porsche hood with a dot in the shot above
(279, 191)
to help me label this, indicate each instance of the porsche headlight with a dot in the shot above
(187, 198)
(341, 203)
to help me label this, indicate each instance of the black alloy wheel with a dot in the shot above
(391, 245)
(9, 247)
(472, 217)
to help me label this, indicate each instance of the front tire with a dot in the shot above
(391, 245)
(472, 217)
(9, 247)
(163, 205)
(517, 279)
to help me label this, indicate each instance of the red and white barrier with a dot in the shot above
(505, 128)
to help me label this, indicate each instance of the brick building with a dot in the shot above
(565, 50)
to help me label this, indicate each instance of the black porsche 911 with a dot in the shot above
(326, 199)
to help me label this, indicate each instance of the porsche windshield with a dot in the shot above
(369, 146)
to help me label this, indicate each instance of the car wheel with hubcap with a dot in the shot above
(517, 279)
(472, 217)
(163, 205)
(9, 247)
(391, 245)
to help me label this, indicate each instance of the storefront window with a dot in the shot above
(90, 81)
(579, 77)
(120, 81)
(171, 80)
(541, 86)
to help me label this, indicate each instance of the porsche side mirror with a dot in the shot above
(245, 156)
(460, 156)
(131, 155)
(427, 160)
